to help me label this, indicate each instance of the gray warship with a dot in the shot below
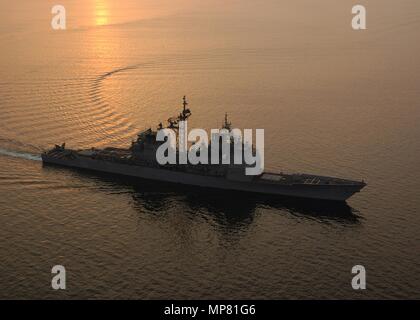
(139, 161)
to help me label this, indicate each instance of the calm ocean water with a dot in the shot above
(332, 101)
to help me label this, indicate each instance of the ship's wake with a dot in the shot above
(17, 149)
(107, 120)
(22, 155)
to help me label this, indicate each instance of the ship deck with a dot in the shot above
(306, 179)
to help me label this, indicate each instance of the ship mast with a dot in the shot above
(185, 103)
(183, 116)
(227, 125)
(186, 113)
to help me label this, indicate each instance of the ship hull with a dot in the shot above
(321, 192)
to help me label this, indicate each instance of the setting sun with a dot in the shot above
(101, 13)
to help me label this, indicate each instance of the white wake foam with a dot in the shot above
(22, 155)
